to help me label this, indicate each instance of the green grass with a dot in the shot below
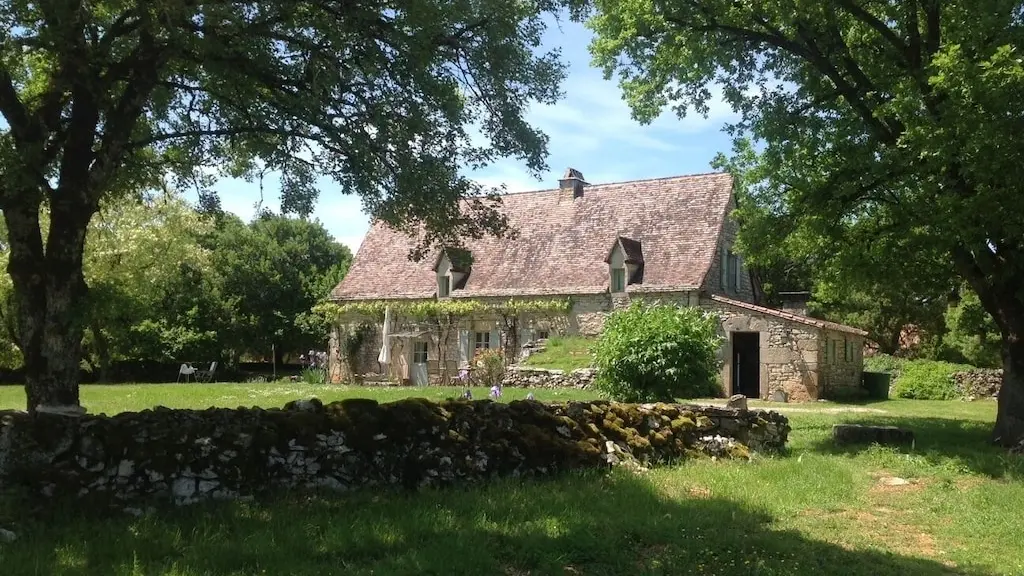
(568, 353)
(816, 510)
(111, 399)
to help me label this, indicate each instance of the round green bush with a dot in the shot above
(657, 353)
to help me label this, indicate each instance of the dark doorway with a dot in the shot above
(746, 364)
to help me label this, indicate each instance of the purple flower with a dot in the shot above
(495, 392)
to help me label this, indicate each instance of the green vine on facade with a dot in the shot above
(452, 308)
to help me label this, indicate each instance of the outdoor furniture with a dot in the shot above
(186, 370)
(206, 375)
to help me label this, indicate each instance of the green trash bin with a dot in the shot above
(877, 384)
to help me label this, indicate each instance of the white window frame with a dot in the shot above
(444, 287)
(482, 343)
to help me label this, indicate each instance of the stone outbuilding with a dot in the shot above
(596, 247)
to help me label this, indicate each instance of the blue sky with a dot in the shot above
(590, 130)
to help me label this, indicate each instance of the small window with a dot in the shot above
(419, 353)
(618, 279)
(733, 271)
(542, 334)
(444, 287)
(483, 340)
(832, 350)
(847, 350)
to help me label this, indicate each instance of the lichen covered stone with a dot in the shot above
(187, 456)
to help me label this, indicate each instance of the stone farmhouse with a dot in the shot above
(594, 247)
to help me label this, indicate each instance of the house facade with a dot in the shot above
(580, 252)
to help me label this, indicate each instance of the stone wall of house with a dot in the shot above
(977, 384)
(789, 351)
(530, 377)
(841, 360)
(185, 456)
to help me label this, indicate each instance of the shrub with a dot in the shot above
(650, 353)
(314, 376)
(883, 363)
(926, 380)
(490, 366)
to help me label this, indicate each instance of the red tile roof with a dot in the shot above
(562, 243)
(789, 316)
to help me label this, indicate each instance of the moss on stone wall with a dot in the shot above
(189, 455)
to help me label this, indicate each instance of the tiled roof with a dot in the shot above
(789, 316)
(562, 243)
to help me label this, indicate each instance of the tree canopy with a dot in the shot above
(888, 131)
(107, 98)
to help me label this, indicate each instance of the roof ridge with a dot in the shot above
(634, 181)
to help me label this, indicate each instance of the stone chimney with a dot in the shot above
(571, 185)
(795, 302)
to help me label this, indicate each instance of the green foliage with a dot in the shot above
(564, 353)
(655, 352)
(270, 274)
(316, 376)
(882, 363)
(352, 339)
(971, 337)
(102, 101)
(489, 366)
(886, 134)
(926, 380)
(453, 307)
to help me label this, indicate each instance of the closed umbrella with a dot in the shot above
(385, 350)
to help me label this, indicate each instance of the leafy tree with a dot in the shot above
(657, 353)
(105, 98)
(271, 274)
(141, 257)
(972, 335)
(894, 121)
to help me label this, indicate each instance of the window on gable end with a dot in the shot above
(733, 271)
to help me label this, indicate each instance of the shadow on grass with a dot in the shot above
(942, 441)
(591, 524)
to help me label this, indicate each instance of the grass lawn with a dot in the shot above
(568, 353)
(816, 510)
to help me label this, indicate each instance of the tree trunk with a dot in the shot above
(998, 291)
(1009, 429)
(102, 352)
(49, 291)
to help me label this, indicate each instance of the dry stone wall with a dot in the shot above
(977, 384)
(529, 377)
(186, 456)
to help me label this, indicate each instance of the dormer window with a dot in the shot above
(625, 264)
(452, 270)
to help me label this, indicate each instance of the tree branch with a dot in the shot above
(14, 111)
(157, 138)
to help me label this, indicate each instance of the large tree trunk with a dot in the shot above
(1009, 429)
(998, 287)
(49, 290)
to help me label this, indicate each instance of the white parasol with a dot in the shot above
(385, 350)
